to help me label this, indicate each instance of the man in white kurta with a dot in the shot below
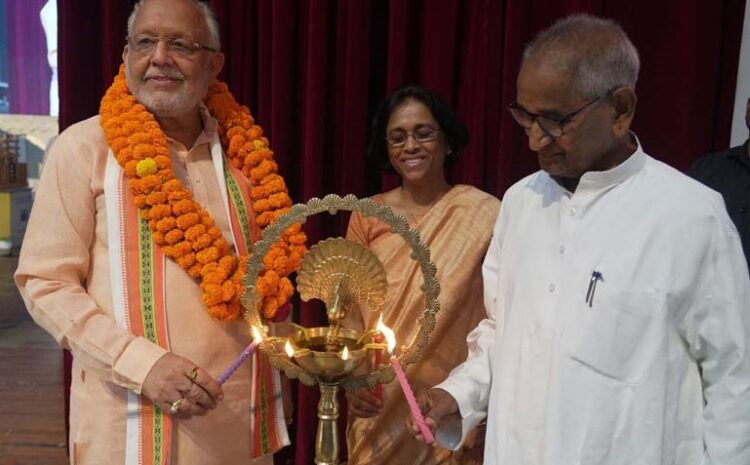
(617, 295)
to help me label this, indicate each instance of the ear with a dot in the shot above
(623, 101)
(217, 63)
(125, 52)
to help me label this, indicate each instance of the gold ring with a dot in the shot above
(192, 375)
(174, 407)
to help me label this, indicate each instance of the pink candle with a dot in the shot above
(416, 413)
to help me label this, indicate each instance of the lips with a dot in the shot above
(412, 162)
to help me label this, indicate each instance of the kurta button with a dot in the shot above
(572, 211)
(743, 209)
(551, 288)
(561, 249)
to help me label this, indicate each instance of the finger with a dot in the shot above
(362, 409)
(368, 396)
(198, 395)
(190, 408)
(208, 384)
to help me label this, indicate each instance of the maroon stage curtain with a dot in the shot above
(313, 71)
(29, 72)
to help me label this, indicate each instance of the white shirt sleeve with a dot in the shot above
(470, 382)
(716, 326)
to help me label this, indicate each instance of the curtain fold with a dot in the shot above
(313, 72)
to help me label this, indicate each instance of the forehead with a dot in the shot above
(543, 86)
(170, 17)
(409, 113)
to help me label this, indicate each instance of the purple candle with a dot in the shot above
(249, 350)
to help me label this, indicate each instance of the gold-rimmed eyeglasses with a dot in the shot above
(424, 134)
(145, 44)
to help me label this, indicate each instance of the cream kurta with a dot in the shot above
(457, 229)
(64, 278)
(649, 365)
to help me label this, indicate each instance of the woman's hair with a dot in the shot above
(454, 130)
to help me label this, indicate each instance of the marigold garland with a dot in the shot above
(183, 228)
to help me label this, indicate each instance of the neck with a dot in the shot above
(185, 129)
(423, 194)
(614, 157)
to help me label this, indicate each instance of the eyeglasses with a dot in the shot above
(145, 44)
(554, 127)
(422, 135)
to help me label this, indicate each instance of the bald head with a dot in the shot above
(595, 52)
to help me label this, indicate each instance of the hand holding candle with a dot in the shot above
(416, 412)
(249, 350)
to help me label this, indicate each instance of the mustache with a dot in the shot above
(164, 74)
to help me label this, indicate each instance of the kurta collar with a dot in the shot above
(593, 181)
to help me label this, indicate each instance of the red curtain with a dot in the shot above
(312, 71)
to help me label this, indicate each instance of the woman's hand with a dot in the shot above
(363, 403)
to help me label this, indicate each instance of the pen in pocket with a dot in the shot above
(596, 276)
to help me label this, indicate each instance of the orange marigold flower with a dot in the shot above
(270, 305)
(156, 198)
(212, 294)
(202, 241)
(159, 238)
(186, 261)
(207, 255)
(172, 185)
(195, 270)
(160, 211)
(139, 200)
(228, 291)
(166, 224)
(173, 236)
(184, 206)
(187, 220)
(193, 232)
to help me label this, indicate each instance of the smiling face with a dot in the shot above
(418, 163)
(596, 139)
(167, 84)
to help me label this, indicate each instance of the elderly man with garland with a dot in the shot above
(616, 288)
(134, 256)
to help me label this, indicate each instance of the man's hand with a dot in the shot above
(363, 403)
(435, 404)
(181, 388)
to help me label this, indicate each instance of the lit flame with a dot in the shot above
(345, 353)
(257, 335)
(289, 349)
(390, 337)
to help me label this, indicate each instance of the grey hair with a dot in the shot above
(206, 10)
(597, 51)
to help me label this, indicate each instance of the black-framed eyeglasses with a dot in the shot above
(423, 134)
(145, 44)
(554, 127)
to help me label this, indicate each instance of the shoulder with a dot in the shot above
(80, 139)
(706, 166)
(475, 198)
(680, 199)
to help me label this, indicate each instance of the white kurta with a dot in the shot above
(615, 382)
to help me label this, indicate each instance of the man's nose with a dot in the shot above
(161, 55)
(538, 138)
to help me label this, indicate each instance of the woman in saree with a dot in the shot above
(417, 135)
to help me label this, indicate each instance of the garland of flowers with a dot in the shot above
(180, 225)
